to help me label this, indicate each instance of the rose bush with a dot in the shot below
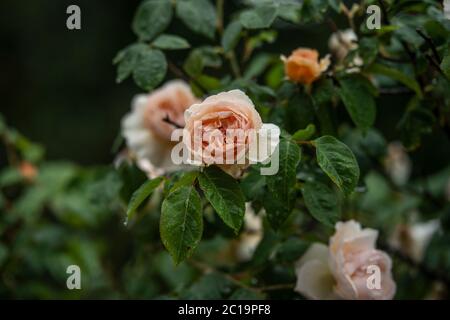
(350, 129)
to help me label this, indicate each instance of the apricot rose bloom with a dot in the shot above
(303, 65)
(147, 131)
(209, 123)
(341, 271)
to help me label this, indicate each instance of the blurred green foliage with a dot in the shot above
(63, 202)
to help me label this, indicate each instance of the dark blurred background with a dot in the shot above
(58, 85)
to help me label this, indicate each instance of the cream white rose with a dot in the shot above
(342, 269)
(447, 9)
(148, 128)
(342, 42)
(413, 239)
(252, 235)
(397, 163)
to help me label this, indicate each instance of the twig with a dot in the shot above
(391, 59)
(431, 44)
(384, 11)
(167, 119)
(182, 75)
(234, 64)
(434, 64)
(219, 10)
(207, 269)
(422, 268)
(280, 286)
(397, 90)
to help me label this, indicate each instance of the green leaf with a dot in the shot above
(141, 194)
(322, 202)
(151, 18)
(212, 286)
(445, 65)
(299, 112)
(291, 250)
(367, 49)
(338, 162)
(265, 248)
(358, 101)
(231, 35)
(246, 294)
(313, 10)
(186, 180)
(289, 11)
(259, 17)
(198, 15)
(181, 223)
(225, 195)
(199, 58)
(10, 176)
(398, 76)
(258, 65)
(335, 5)
(415, 123)
(253, 183)
(150, 69)
(305, 134)
(281, 185)
(126, 60)
(170, 42)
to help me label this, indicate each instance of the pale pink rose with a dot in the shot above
(222, 129)
(348, 259)
(147, 131)
(314, 278)
(352, 251)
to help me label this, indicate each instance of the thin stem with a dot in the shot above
(182, 75)
(173, 123)
(305, 143)
(410, 53)
(274, 287)
(434, 64)
(234, 64)
(422, 268)
(219, 10)
(431, 44)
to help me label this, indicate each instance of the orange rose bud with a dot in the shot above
(28, 170)
(303, 65)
